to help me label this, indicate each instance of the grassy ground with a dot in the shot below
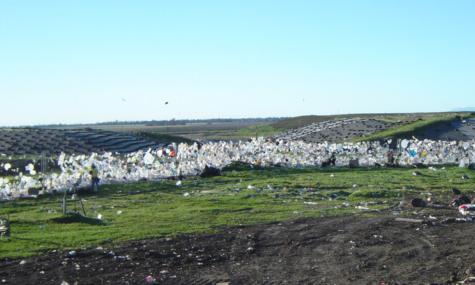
(258, 131)
(157, 209)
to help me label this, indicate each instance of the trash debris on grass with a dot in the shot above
(459, 200)
(192, 160)
(467, 209)
(418, 203)
(150, 280)
(363, 208)
(469, 280)
(408, 220)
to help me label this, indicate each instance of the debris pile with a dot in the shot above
(208, 159)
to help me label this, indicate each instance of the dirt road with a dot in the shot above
(345, 250)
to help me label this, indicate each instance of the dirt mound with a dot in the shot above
(342, 250)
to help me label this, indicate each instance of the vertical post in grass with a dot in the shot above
(64, 203)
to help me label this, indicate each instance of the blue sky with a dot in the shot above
(88, 61)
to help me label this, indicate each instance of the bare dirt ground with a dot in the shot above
(341, 250)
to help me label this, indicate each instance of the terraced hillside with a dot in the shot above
(435, 126)
(33, 141)
(336, 130)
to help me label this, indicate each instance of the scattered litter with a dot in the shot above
(191, 159)
(310, 203)
(250, 187)
(467, 209)
(99, 216)
(7, 166)
(186, 194)
(419, 221)
(150, 280)
(457, 220)
(122, 258)
(119, 212)
(459, 200)
(418, 203)
(363, 208)
(178, 183)
(23, 262)
(469, 280)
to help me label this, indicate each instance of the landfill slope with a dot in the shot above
(340, 130)
(456, 130)
(341, 250)
(335, 130)
(34, 141)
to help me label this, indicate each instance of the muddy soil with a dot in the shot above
(343, 250)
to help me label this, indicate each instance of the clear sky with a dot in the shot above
(88, 61)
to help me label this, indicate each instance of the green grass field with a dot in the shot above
(158, 209)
